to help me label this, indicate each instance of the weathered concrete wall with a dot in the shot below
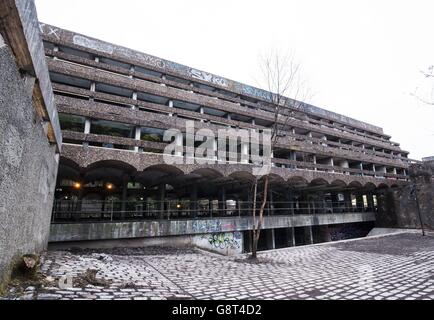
(162, 228)
(28, 168)
(227, 243)
(398, 207)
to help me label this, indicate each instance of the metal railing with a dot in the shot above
(113, 210)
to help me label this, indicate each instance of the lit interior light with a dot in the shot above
(141, 199)
(178, 206)
(77, 185)
(110, 186)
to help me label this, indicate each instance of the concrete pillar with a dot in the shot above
(332, 163)
(253, 122)
(161, 199)
(170, 105)
(348, 202)
(359, 202)
(361, 168)
(137, 137)
(271, 244)
(201, 111)
(163, 77)
(345, 164)
(222, 201)
(134, 97)
(179, 143)
(193, 200)
(324, 233)
(308, 235)
(314, 162)
(92, 87)
(290, 237)
(87, 124)
(271, 202)
(244, 152)
(370, 198)
(228, 116)
(125, 179)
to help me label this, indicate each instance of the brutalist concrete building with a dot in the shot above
(330, 174)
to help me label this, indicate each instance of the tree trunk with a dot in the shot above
(257, 228)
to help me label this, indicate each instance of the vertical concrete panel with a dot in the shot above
(28, 168)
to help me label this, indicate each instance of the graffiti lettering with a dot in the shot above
(223, 240)
(208, 77)
(92, 44)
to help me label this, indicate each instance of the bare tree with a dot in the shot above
(426, 98)
(281, 77)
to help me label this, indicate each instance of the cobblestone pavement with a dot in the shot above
(389, 267)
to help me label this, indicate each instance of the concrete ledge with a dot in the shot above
(162, 228)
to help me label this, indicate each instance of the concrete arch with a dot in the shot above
(166, 168)
(319, 182)
(243, 176)
(355, 184)
(116, 164)
(68, 169)
(297, 181)
(338, 183)
(208, 172)
(369, 186)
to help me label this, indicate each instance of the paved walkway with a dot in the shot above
(390, 267)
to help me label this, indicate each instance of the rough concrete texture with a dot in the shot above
(398, 207)
(397, 267)
(162, 228)
(28, 168)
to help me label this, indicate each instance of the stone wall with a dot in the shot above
(398, 207)
(28, 156)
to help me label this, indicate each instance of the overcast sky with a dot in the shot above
(361, 58)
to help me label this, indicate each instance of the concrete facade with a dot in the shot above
(30, 137)
(164, 228)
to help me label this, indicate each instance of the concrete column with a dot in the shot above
(271, 202)
(137, 137)
(290, 237)
(134, 97)
(359, 202)
(244, 152)
(87, 124)
(314, 162)
(228, 116)
(222, 201)
(370, 198)
(92, 87)
(345, 164)
(308, 234)
(125, 179)
(170, 105)
(271, 244)
(332, 163)
(193, 200)
(348, 202)
(361, 168)
(253, 122)
(179, 144)
(394, 171)
(202, 111)
(324, 234)
(163, 77)
(161, 199)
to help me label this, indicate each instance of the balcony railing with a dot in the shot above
(70, 211)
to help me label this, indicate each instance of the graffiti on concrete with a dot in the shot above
(206, 226)
(92, 44)
(205, 76)
(224, 240)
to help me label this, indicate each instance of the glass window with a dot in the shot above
(110, 128)
(152, 134)
(71, 122)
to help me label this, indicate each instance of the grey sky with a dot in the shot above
(361, 58)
